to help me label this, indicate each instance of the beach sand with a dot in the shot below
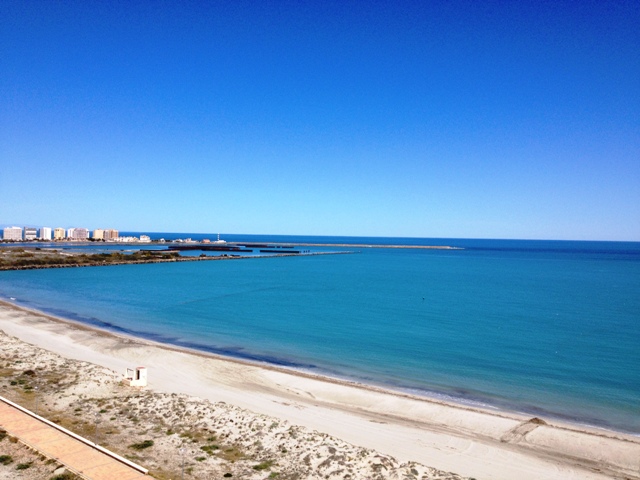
(380, 432)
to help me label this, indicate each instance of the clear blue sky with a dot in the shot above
(427, 119)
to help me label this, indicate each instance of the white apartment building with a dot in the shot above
(59, 233)
(78, 234)
(12, 233)
(30, 233)
(45, 233)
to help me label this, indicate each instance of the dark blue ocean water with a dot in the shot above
(546, 327)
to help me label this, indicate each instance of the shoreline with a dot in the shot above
(313, 371)
(440, 433)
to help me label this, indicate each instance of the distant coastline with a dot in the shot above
(27, 259)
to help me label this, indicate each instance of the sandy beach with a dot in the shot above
(411, 437)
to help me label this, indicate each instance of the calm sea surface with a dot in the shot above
(549, 328)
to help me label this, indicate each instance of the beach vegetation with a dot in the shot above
(209, 448)
(44, 259)
(142, 445)
(227, 475)
(263, 465)
(64, 476)
(201, 459)
(232, 454)
(23, 466)
(5, 459)
(3, 434)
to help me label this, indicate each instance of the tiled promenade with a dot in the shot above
(79, 456)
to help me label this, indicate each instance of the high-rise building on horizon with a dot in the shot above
(98, 234)
(30, 233)
(45, 233)
(111, 234)
(59, 233)
(12, 233)
(78, 234)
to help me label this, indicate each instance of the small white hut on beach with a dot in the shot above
(136, 377)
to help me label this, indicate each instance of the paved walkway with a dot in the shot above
(79, 457)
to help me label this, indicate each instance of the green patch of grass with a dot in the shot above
(142, 445)
(263, 465)
(209, 448)
(201, 459)
(5, 459)
(23, 466)
(232, 454)
(64, 476)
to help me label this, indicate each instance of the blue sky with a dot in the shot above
(423, 119)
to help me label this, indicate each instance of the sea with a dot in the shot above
(546, 328)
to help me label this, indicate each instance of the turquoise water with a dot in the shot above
(548, 328)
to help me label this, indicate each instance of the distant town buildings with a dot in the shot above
(30, 233)
(142, 239)
(76, 234)
(12, 234)
(45, 233)
(110, 235)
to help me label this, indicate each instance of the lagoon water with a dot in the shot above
(544, 327)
